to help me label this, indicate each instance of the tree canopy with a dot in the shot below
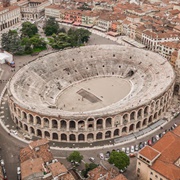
(75, 157)
(88, 168)
(28, 29)
(11, 42)
(51, 27)
(119, 159)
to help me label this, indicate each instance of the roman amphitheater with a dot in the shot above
(91, 94)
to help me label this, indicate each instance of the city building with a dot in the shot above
(162, 160)
(37, 162)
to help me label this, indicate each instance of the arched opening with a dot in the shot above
(24, 116)
(124, 129)
(46, 122)
(132, 116)
(25, 127)
(47, 134)
(108, 134)
(20, 124)
(139, 114)
(116, 132)
(16, 120)
(63, 124)
(63, 137)
(54, 124)
(32, 130)
(146, 111)
(144, 122)
(162, 101)
(81, 137)
(55, 136)
(72, 125)
(81, 125)
(155, 115)
(72, 137)
(19, 113)
(90, 123)
(131, 127)
(138, 125)
(99, 124)
(99, 135)
(150, 119)
(38, 120)
(31, 119)
(39, 133)
(157, 104)
(90, 136)
(159, 112)
(108, 122)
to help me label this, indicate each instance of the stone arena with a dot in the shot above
(91, 93)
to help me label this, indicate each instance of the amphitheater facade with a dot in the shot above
(90, 94)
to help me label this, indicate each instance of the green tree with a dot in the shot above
(88, 168)
(37, 42)
(11, 42)
(75, 157)
(119, 159)
(28, 29)
(51, 27)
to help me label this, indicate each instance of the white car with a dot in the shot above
(92, 159)
(2, 162)
(132, 149)
(127, 150)
(18, 170)
(157, 137)
(101, 155)
(123, 149)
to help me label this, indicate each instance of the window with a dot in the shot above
(156, 176)
(139, 163)
(151, 173)
(138, 170)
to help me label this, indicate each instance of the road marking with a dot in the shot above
(60, 157)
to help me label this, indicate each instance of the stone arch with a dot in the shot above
(109, 122)
(150, 119)
(55, 136)
(20, 124)
(25, 127)
(38, 120)
(63, 137)
(99, 135)
(90, 136)
(144, 122)
(116, 132)
(159, 114)
(124, 129)
(146, 109)
(99, 124)
(54, 124)
(90, 123)
(19, 112)
(46, 122)
(138, 125)
(72, 137)
(176, 89)
(31, 119)
(32, 131)
(81, 124)
(139, 113)
(39, 133)
(24, 115)
(63, 124)
(108, 134)
(81, 137)
(72, 124)
(47, 134)
(162, 101)
(156, 115)
(131, 127)
(16, 120)
(132, 116)
(157, 104)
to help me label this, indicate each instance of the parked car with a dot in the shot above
(157, 137)
(149, 142)
(18, 170)
(118, 150)
(132, 155)
(160, 135)
(136, 147)
(101, 155)
(127, 150)
(145, 143)
(122, 170)
(91, 159)
(132, 149)
(2, 162)
(175, 125)
(141, 145)
(123, 149)
(153, 139)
